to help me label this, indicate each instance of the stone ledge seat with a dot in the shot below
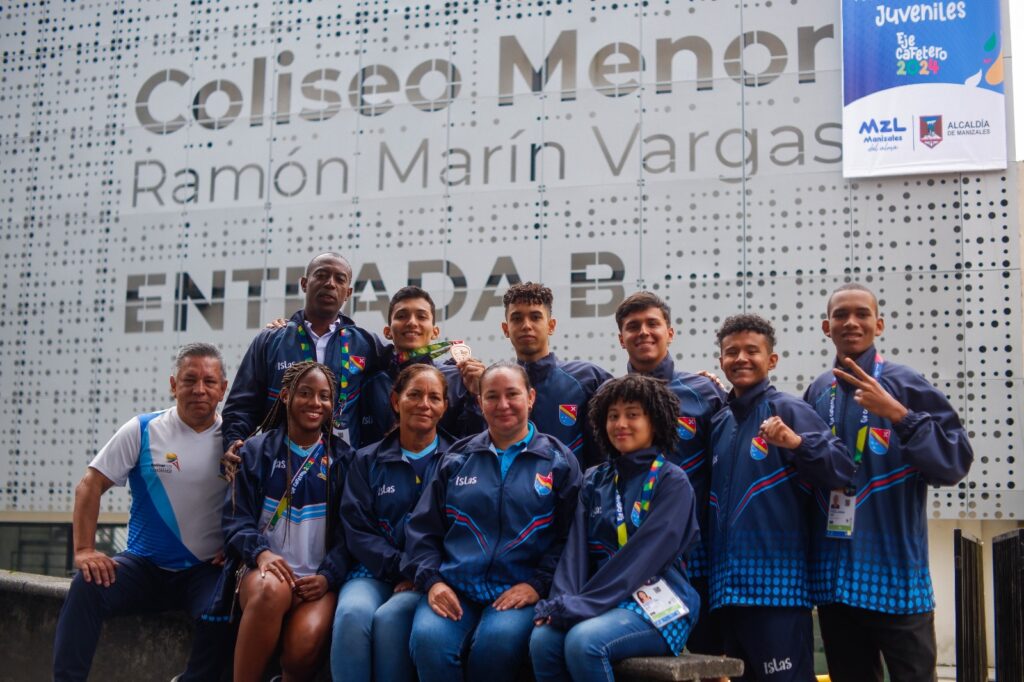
(155, 646)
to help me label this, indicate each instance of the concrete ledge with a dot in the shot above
(142, 647)
(155, 646)
(682, 668)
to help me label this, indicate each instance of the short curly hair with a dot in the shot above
(531, 293)
(747, 322)
(659, 404)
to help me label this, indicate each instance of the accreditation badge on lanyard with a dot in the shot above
(842, 510)
(660, 603)
(842, 504)
(655, 597)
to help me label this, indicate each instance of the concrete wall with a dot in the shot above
(131, 648)
(155, 646)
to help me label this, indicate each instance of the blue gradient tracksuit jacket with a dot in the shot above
(761, 500)
(258, 380)
(595, 575)
(481, 533)
(381, 489)
(699, 400)
(884, 565)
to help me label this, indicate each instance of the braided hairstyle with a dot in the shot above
(289, 381)
(659, 404)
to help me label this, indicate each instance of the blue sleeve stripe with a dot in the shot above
(763, 485)
(461, 518)
(536, 524)
(885, 481)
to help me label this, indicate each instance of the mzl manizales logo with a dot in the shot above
(931, 130)
(882, 135)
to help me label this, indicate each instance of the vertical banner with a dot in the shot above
(923, 87)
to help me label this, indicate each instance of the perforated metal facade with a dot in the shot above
(168, 167)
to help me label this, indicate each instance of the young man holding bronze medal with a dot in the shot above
(413, 330)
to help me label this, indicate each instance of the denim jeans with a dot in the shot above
(587, 650)
(392, 628)
(351, 641)
(492, 643)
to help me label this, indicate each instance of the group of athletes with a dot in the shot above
(415, 513)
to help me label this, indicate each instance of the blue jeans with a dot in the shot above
(494, 643)
(586, 652)
(392, 627)
(351, 641)
(141, 587)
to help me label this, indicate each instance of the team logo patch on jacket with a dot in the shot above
(173, 459)
(543, 484)
(634, 515)
(758, 448)
(687, 427)
(878, 441)
(359, 362)
(567, 414)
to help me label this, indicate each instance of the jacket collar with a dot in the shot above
(866, 361)
(300, 316)
(629, 464)
(665, 370)
(539, 370)
(742, 405)
(521, 444)
(390, 449)
(481, 442)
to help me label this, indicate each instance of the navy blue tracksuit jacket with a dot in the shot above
(761, 501)
(482, 534)
(594, 575)
(258, 380)
(699, 400)
(381, 489)
(243, 505)
(884, 566)
(563, 391)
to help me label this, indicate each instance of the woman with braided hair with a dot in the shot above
(284, 542)
(620, 589)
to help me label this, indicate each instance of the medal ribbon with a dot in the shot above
(643, 503)
(342, 372)
(862, 432)
(297, 477)
(434, 350)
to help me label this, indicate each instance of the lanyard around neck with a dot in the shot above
(862, 432)
(642, 504)
(342, 371)
(297, 477)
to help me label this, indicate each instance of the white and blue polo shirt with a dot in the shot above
(173, 473)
